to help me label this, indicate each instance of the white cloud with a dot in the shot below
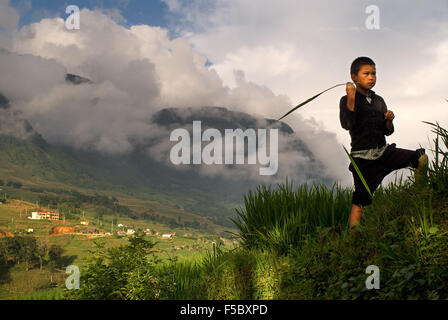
(430, 80)
(263, 64)
(322, 38)
(135, 72)
(266, 58)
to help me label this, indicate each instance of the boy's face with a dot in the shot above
(366, 77)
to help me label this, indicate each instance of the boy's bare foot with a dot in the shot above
(355, 216)
(421, 172)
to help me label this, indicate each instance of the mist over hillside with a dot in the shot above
(80, 110)
(212, 190)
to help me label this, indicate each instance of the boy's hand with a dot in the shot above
(389, 115)
(350, 89)
(351, 92)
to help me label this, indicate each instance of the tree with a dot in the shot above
(55, 254)
(54, 259)
(125, 272)
(17, 185)
(3, 252)
(42, 251)
(26, 250)
(8, 250)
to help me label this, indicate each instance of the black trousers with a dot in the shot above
(374, 171)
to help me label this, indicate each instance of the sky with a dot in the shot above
(257, 56)
(152, 13)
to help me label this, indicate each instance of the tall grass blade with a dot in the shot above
(359, 173)
(438, 169)
(309, 100)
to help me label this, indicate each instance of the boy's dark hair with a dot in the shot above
(359, 62)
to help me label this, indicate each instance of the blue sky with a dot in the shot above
(153, 12)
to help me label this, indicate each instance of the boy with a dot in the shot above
(365, 115)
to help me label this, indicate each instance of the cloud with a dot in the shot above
(318, 41)
(26, 76)
(431, 78)
(277, 61)
(23, 6)
(173, 5)
(136, 72)
(9, 17)
(294, 156)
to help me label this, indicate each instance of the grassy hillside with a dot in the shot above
(23, 278)
(38, 165)
(42, 168)
(295, 244)
(28, 158)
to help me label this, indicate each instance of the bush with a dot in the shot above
(124, 273)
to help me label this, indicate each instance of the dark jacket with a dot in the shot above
(367, 124)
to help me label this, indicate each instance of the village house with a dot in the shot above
(6, 234)
(89, 231)
(130, 231)
(44, 215)
(84, 222)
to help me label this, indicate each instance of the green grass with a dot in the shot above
(34, 284)
(438, 169)
(295, 244)
(407, 240)
(281, 218)
(46, 294)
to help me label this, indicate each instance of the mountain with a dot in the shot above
(25, 154)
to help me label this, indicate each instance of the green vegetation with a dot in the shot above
(126, 272)
(438, 171)
(32, 266)
(30, 167)
(281, 219)
(410, 250)
(295, 244)
(26, 254)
